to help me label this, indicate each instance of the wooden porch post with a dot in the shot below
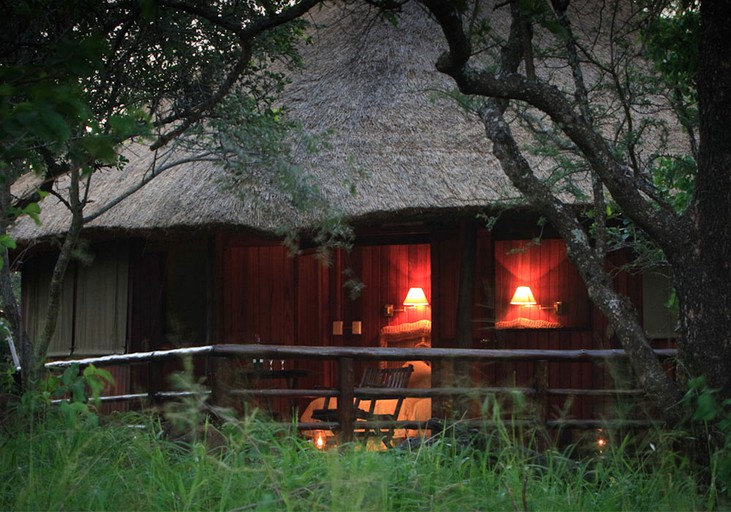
(465, 300)
(154, 372)
(212, 369)
(346, 408)
(540, 383)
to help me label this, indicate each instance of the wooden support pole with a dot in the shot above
(212, 380)
(154, 377)
(540, 382)
(466, 291)
(465, 301)
(540, 385)
(346, 409)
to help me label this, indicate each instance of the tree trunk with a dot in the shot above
(9, 300)
(618, 310)
(696, 243)
(33, 370)
(703, 269)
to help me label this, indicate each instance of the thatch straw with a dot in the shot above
(397, 144)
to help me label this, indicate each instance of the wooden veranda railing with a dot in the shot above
(346, 390)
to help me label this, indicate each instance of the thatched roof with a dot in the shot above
(397, 144)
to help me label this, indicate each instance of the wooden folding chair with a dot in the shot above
(372, 382)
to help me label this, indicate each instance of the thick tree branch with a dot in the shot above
(618, 309)
(618, 178)
(246, 35)
(581, 94)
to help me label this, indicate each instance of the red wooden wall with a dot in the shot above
(267, 292)
(258, 294)
(502, 265)
(386, 272)
(294, 300)
(545, 268)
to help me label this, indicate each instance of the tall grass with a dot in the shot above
(128, 464)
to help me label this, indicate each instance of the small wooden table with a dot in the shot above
(252, 376)
(289, 376)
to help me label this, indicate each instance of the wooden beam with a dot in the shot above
(346, 407)
(466, 291)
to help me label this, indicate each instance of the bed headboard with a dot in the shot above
(408, 335)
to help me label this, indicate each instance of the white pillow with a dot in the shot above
(421, 378)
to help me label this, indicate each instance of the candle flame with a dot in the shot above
(320, 440)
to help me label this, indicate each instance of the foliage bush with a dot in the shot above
(128, 463)
(61, 455)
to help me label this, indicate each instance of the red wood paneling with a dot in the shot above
(289, 300)
(386, 273)
(551, 277)
(445, 257)
(313, 319)
(258, 295)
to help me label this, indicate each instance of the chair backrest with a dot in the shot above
(383, 378)
(388, 378)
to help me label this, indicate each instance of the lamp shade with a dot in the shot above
(523, 296)
(416, 297)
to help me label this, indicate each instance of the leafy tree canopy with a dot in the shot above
(81, 78)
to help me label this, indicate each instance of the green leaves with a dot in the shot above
(674, 178)
(130, 124)
(101, 148)
(46, 123)
(33, 210)
(673, 47)
(72, 384)
(8, 243)
(149, 9)
(705, 405)
(39, 118)
(80, 387)
(96, 379)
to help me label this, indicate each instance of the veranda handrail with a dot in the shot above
(360, 353)
(346, 387)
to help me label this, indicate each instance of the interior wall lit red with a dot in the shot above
(410, 267)
(545, 268)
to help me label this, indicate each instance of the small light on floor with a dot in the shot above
(601, 441)
(319, 440)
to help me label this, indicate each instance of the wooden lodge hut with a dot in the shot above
(195, 257)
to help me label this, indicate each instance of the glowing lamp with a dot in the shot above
(523, 296)
(414, 298)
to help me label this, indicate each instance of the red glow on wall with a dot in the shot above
(408, 267)
(545, 268)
